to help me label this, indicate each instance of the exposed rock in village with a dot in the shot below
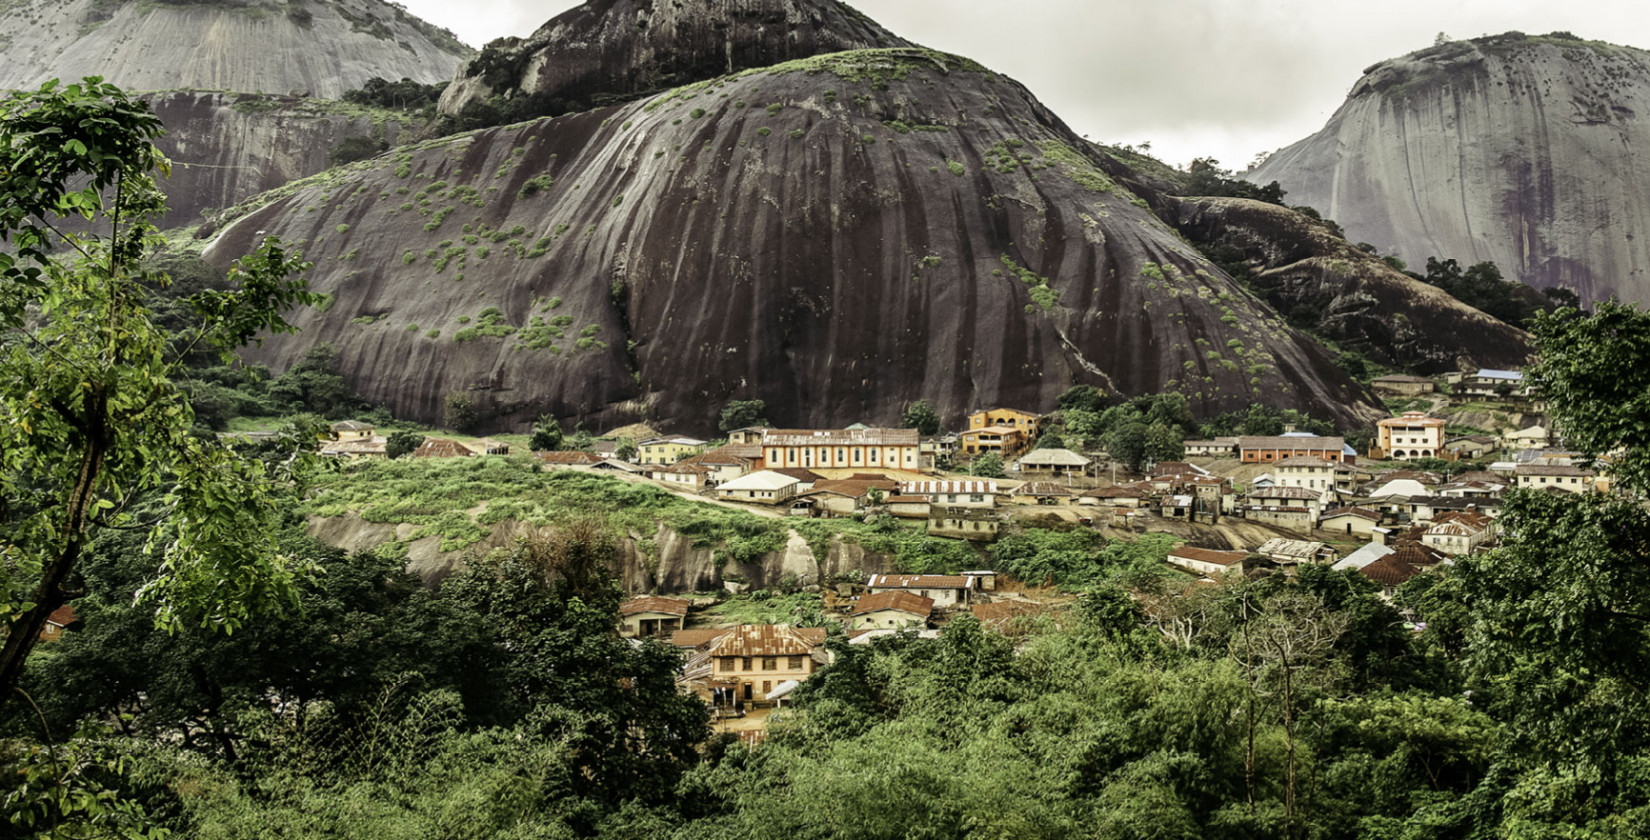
(608, 51)
(318, 48)
(836, 236)
(1520, 150)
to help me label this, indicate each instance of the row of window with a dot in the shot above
(769, 663)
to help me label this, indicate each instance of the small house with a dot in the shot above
(1043, 493)
(981, 494)
(664, 451)
(1121, 495)
(963, 523)
(563, 460)
(767, 487)
(1220, 447)
(1351, 521)
(649, 615)
(1290, 552)
(945, 590)
(442, 448)
(745, 664)
(1569, 478)
(353, 430)
(894, 609)
(1404, 385)
(1206, 561)
(1055, 462)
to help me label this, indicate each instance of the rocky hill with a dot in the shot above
(309, 47)
(227, 147)
(836, 236)
(608, 51)
(1521, 150)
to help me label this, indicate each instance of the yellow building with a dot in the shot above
(665, 451)
(1006, 441)
(1028, 424)
(810, 449)
(749, 662)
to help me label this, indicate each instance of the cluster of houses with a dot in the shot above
(760, 665)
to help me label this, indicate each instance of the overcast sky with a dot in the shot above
(1195, 78)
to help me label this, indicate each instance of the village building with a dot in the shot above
(843, 497)
(442, 448)
(1407, 560)
(891, 610)
(749, 663)
(963, 523)
(1003, 441)
(489, 446)
(980, 493)
(1297, 518)
(57, 623)
(748, 436)
(1493, 383)
(1362, 557)
(563, 460)
(726, 463)
(814, 449)
(1307, 472)
(660, 452)
(767, 487)
(1220, 447)
(1470, 447)
(1206, 561)
(353, 430)
(373, 447)
(616, 466)
(1028, 424)
(683, 475)
(1291, 552)
(1525, 440)
(1053, 462)
(1044, 493)
(939, 448)
(1571, 478)
(945, 590)
(1414, 435)
(1351, 521)
(1404, 385)
(1266, 450)
(1121, 495)
(1459, 532)
(650, 615)
(908, 507)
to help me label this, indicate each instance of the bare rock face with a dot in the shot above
(1520, 150)
(607, 51)
(836, 236)
(310, 47)
(228, 147)
(1355, 299)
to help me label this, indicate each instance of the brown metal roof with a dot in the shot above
(1361, 513)
(698, 637)
(855, 488)
(768, 640)
(902, 601)
(1550, 470)
(840, 437)
(1209, 555)
(804, 476)
(731, 454)
(1043, 488)
(654, 604)
(1301, 444)
(917, 582)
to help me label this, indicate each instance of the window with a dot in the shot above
(727, 664)
(746, 664)
(794, 663)
(770, 664)
(977, 497)
(767, 686)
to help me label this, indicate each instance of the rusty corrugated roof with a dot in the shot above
(654, 604)
(768, 640)
(902, 601)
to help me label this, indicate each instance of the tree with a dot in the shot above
(1126, 444)
(547, 435)
(93, 422)
(989, 465)
(1082, 398)
(1050, 440)
(1594, 373)
(314, 384)
(739, 414)
(403, 442)
(459, 412)
(626, 450)
(918, 415)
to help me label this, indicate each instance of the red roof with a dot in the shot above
(902, 601)
(804, 476)
(856, 487)
(654, 604)
(62, 616)
(917, 582)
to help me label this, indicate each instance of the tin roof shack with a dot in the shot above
(963, 523)
(895, 609)
(651, 615)
(563, 460)
(442, 448)
(1293, 552)
(746, 663)
(1459, 532)
(1407, 560)
(945, 590)
(1043, 493)
(372, 447)
(1206, 561)
(1121, 495)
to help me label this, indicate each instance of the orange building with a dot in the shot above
(1028, 424)
(1265, 450)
